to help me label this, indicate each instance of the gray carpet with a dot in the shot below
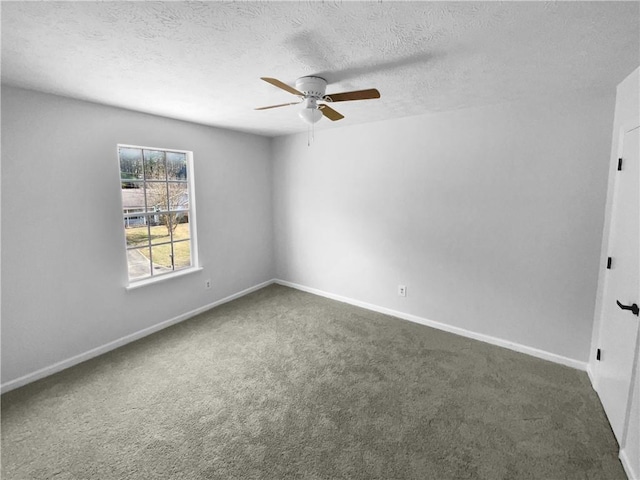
(283, 384)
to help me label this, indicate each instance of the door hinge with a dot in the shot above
(619, 164)
(598, 354)
(608, 263)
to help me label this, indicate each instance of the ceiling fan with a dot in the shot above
(310, 90)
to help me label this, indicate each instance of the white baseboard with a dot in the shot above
(94, 352)
(628, 467)
(69, 362)
(552, 357)
(592, 376)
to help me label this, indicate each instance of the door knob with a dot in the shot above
(634, 308)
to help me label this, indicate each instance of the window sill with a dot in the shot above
(161, 278)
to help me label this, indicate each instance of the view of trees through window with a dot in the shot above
(156, 210)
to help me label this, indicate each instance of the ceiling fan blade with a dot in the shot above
(330, 113)
(355, 95)
(276, 106)
(277, 83)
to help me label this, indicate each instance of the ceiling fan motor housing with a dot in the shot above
(312, 87)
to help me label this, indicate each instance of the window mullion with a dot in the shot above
(146, 217)
(169, 219)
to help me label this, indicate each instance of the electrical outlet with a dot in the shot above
(207, 284)
(402, 290)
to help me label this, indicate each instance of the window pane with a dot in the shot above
(137, 235)
(133, 202)
(139, 265)
(181, 230)
(130, 166)
(182, 254)
(156, 196)
(159, 231)
(178, 196)
(154, 165)
(161, 259)
(176, 166)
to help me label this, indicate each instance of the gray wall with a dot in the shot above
(63, 262)
(492, 217)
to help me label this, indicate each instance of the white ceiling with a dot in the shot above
(201, 61)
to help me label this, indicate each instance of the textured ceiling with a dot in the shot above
(201, 61)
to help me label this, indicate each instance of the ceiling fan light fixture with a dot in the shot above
(312, 89)
(310, 115)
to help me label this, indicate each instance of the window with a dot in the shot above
(157, 210)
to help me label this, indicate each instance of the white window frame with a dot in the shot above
(195, 265)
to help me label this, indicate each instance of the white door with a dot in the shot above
(619, 327)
